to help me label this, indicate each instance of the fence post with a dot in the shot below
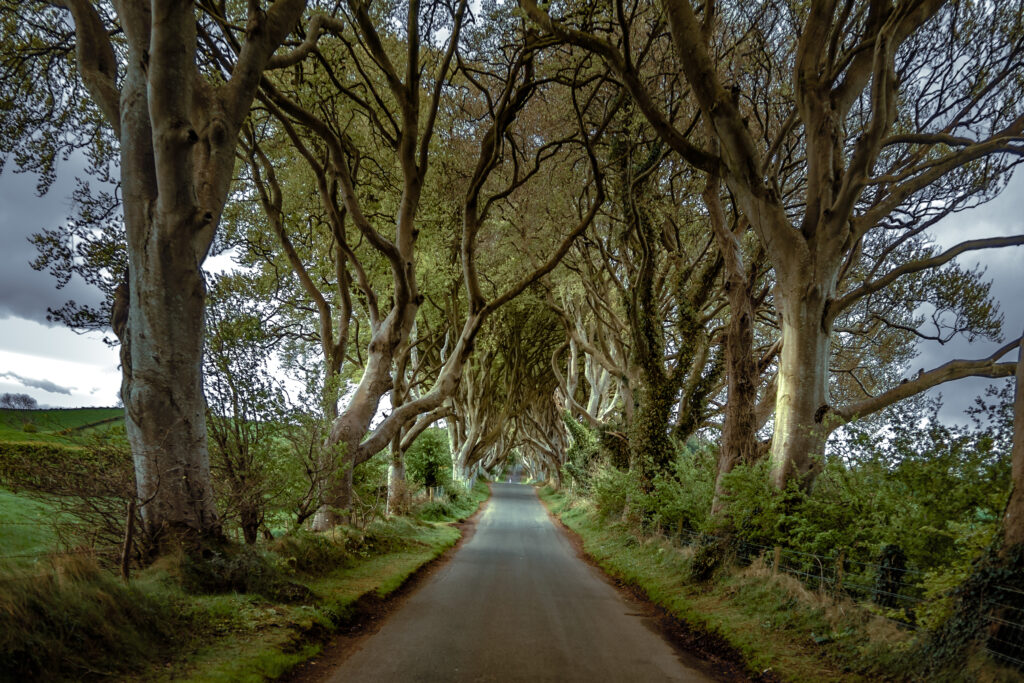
(129, 528)
(840, 561)
(777, 559)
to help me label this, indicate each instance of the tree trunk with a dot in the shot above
(348, 430)
(251, 519)
(337, 506)
(801, 403)
(651, 449)
(739, 429)
(163, 394)
(398, 502)
(1013, 520)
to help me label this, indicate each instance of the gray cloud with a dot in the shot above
(24, 292)
(44, 384)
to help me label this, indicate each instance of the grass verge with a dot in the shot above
(67, 619)
(779, 628)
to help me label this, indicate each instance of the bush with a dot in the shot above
(240, 569)
(681, 500)
(755, 510)
(309, 552)
(370, 490)
(428, 461)
(28, 466)
(29, 428)
(90, 487)
(612, 489)
(710, 554)
(584, 449)
(457, 504)
(435, 511)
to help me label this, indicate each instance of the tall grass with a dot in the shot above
(70, 619)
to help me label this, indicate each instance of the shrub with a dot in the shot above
(369, 490)
(584, 448)
(711, 552)
(309, 552)
(681, 499)
(89, 485)
(612, 489)
(755, 510)
(435, 511)
(239, 569)
(428, 461)
(29, 428)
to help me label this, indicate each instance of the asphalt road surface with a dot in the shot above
(515, 603)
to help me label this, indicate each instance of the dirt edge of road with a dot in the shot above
(370, 611)
(709, 650)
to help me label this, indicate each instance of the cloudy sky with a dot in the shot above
(60, 368)
(49, 362)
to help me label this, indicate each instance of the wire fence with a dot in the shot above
(1005, 626)
(889, 588)
(24, 566)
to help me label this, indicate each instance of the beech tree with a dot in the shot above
(175, 123)
(863, 123)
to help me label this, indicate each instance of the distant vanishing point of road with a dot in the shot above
(515, 603)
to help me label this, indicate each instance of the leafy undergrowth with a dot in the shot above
(776, 624)
(244, 614)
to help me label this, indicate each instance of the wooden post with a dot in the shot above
(129, 529)
(840, 561)
(777, 559)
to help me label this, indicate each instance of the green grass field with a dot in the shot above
(24, 529)
(54, 424)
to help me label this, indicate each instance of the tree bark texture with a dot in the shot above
(739, 426)
(801, 402)
(397, 501)
(163, 397)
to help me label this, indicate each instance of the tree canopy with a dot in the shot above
(664, 221)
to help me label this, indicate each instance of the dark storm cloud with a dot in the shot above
(24, 292)
(44, 384)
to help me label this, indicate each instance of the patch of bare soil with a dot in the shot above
(695, 646)
(370, 611)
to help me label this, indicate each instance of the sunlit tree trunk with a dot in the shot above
(801, 402)
(397, 498)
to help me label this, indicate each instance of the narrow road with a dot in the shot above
(515, 603)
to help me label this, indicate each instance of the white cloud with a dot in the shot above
(62, 373)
